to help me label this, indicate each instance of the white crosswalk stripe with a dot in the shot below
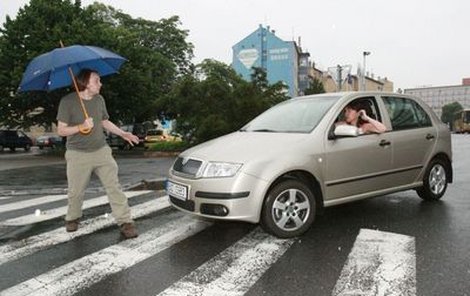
(70, 278)
(379, 263)
(235, 270)
(386, 260)
(39, 242)
(32, 202)
(59, 212)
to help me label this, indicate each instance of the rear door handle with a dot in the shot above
(429, 137)
(384, 143)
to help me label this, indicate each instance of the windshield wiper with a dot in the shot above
(265, 130)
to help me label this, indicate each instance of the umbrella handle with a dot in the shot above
(82, 130)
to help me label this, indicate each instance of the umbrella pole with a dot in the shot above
(83, 131)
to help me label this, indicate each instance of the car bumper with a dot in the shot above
(236, 198)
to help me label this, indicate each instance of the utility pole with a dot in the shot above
(339, 77)
(364, 54)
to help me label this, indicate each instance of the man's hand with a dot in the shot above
(130, 138)
(88, 123)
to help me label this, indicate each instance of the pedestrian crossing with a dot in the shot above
(234, 270)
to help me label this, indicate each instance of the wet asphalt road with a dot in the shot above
(312, 264)
(38, 173)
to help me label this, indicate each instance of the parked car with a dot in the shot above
(13, 139)
(49, 141)
(293, 159)
(155, 135)
(136, 128)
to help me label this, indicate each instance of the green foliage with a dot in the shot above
(168, 146)
(448, 112)
(315, 87)
(215, 100)
(157, 54)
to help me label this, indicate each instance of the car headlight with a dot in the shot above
(221, 169)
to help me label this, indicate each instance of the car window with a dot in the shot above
(292, 116)
(371, 109)
(406, 114)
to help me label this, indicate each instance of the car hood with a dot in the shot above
(243, 146)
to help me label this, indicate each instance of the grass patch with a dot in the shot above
(167, 146)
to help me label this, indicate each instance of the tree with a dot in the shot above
(215, 100)
(315, 87)
(448, 112)
(157, 54)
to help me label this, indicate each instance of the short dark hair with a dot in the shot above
(83, 78)
(358, 105)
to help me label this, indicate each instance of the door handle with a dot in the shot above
(384, 143)
(429, 137)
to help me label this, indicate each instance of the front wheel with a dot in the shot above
(289, 209)
(435, 181)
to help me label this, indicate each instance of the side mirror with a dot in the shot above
(346, 130)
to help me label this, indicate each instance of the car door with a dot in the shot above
(357, 165)
(412, 137)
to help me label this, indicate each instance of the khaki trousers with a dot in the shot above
(80, 166)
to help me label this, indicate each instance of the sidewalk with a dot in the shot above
(41, 174)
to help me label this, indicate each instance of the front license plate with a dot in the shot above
(177, 190)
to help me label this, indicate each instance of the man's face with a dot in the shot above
(94, 84)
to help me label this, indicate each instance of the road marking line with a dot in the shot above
(235, 269)
(68, 279)
(5, 197)
(60, 211)
(380, 263)
(33, 244)
(31, 202)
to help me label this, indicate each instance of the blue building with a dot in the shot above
(279, 58)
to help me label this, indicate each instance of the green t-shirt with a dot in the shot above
(70, 112)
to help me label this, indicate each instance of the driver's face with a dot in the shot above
(350, 115)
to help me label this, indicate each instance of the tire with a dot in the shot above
(27, 147)
(289, 209)
(435, 181)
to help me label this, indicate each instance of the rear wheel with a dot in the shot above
(289, 209)
(27, 147)
(435, 181)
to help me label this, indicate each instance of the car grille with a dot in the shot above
(187, 205)
(188, 167)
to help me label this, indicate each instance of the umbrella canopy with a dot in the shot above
(50, 71)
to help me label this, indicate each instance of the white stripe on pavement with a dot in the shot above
(235, 270)
(31, 202)
(30, 245)
(58, 212)
(81, 273)
(380, 263)
(5, 197)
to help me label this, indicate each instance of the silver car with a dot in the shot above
(295, 158)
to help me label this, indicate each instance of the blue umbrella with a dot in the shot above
(50, 70)
(58, 68)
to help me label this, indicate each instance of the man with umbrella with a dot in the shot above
(82, 118)
(88, 153)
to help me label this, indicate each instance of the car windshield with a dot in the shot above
(293, 116)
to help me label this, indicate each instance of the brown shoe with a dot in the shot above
(128, 230)
(72, 225)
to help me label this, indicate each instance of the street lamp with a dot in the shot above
(364, 54)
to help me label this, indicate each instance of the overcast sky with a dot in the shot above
(414, 43)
